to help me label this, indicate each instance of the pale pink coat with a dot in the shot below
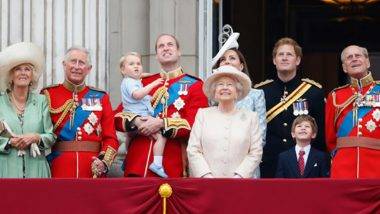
(224, 144)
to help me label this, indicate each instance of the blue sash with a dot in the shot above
(348, 123)
(67, 133)
(173, 92)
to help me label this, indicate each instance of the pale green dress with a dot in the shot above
(36, 119)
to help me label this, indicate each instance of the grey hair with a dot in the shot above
(238, 85)
(78, 48)
(364, 52)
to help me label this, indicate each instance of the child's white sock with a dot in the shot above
(157, 160)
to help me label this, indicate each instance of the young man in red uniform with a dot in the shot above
(175, 104)
(83, 122)
(353, 119)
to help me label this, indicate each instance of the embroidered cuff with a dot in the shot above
(127, 120)
(173, 125)
(108, 156)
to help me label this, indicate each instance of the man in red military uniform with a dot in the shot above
(175, 105)
(83, 122)
(353, 120)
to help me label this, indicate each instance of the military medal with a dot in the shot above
(183, 89)
(97, 104)
(300, 107)
(376, 115)
(305, 107)
(376, 100)
(88, 128)
(283, 98)
(92, 118)
(91, 104)
(179, 103)
(370, 125)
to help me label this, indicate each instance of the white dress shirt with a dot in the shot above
(306, 149)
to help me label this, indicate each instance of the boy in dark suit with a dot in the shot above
(302, 161)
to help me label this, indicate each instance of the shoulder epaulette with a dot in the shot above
(97, 89)
(263, 83)
(341, 87)
(312, 82)
(50, 86)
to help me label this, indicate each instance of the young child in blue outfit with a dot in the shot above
(135, 99)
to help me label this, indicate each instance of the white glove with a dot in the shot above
(21, 153)
(1, 126)
(34, 150)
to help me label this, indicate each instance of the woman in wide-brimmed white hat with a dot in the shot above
(229, 54)
(225, 141)
(26, 127)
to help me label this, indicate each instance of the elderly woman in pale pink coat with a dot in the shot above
(225, 141)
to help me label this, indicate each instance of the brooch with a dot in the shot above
(179, 103)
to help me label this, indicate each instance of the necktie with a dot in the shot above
(301, 162)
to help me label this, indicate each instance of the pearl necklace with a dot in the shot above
(19, 107)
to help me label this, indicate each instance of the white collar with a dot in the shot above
(306, 149)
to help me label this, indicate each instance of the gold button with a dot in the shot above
(284, 140)
(360, 133)
(360, 126)
(285, 124)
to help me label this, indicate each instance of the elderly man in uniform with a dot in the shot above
(353, 119)
(288, 96)
(175, 105)
(83, 122)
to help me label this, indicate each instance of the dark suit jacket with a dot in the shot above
(278, 137)
(317, 165)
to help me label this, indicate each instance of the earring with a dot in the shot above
(10, 84)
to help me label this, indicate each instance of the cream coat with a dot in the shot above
(224, 144)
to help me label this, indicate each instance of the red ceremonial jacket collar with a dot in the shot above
(72, 87)
(171, 74)
(363, 82)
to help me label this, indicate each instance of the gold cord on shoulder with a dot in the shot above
(64, 108)
(157, 96)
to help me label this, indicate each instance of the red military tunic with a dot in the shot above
(184, 97)
(84, 125)
(353, 129)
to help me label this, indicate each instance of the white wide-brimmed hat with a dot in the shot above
(227, 71)
(17, 54)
